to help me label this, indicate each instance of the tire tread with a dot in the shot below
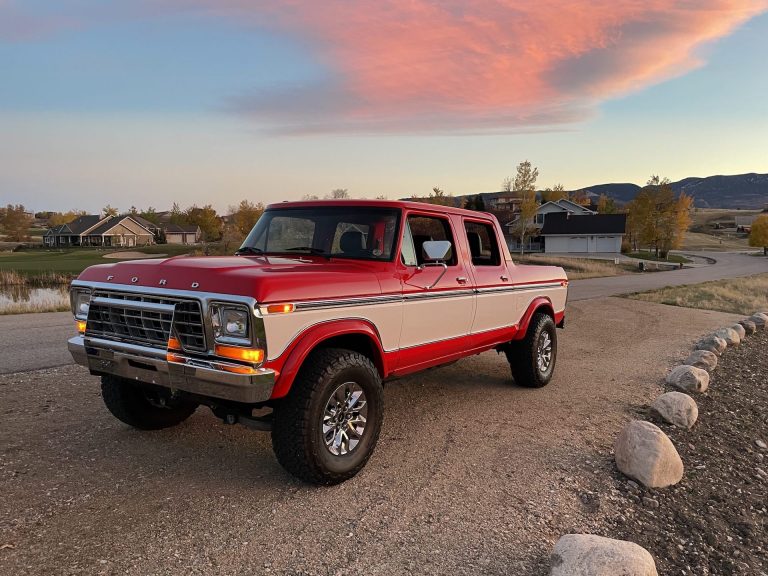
(522, 354)
(292, 427)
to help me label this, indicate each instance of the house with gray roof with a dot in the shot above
(94, 230)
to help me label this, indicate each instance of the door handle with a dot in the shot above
(461, 280)
(504, 278)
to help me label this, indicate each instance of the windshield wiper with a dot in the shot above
(310, 249)
(248, 250)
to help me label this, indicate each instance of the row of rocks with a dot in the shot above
(646, 454)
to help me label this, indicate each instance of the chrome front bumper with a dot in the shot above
(149, 365)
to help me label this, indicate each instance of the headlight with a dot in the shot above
(231, 324)
(80, 299)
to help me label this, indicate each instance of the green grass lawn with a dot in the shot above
(73, 261)
(674, 258)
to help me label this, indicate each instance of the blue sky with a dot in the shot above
(148, 103)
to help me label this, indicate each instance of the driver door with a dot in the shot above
(439, 301)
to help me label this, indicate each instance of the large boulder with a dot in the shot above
(713, 344)
(760, 320)
(739, 329)
(676, 408)
(703, 359)
(644, 453)
(589, 555)
(749, 326)
(688, 378)
(729, 335)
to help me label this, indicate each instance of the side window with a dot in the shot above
(482, 244)
(424, 228)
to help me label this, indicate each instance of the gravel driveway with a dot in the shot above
(472, 475)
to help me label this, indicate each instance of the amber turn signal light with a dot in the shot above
(280, 308)
(173, 343)
(81, 326)
(252, 355)
(237, 369)
(172, 357)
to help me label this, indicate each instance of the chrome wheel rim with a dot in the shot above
(544, 352)
(344, 419)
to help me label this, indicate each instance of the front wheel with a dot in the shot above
(326, 429)
(145, 408)
(532, 359)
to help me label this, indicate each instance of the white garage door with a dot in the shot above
(577, 244)
(606, 244)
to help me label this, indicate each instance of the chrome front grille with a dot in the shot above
(145, 319)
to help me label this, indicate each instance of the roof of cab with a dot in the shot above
(399, 204)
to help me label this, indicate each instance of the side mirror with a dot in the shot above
(436, 250)
(435, 253)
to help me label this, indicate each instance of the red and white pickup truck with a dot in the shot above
(295, 334)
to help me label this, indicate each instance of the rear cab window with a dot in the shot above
(483, 243)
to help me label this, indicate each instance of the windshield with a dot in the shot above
(331, 231)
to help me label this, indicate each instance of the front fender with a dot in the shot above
(290, 362)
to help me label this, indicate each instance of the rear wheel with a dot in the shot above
(532, 359)
(327, 427)
(146, 408)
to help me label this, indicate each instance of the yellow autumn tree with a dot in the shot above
(657, 219)
(525, 186)
(758, 236)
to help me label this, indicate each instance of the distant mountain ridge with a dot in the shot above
(745, 191)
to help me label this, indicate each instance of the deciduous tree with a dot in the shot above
(475, 203)
(150, 214)
(657, 219)
(606, 205)
(178, 216)
(557, 192)
(15, 222)
(58, 218)
(339, 194)
(207, 219)
(438, 196)
(244, 217)
(758, 235)
(525, 185)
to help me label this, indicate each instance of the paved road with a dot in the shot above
(472, 475)
(727, 265)
(32, 341)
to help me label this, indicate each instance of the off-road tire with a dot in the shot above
(297, 436)
(130, 403)
(523, 354)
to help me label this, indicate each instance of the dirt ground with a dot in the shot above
(716, 520)
(472, 475)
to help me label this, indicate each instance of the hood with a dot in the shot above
(268, 279)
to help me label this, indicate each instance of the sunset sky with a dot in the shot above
(146, 102)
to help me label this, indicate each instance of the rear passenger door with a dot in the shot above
(495, 308)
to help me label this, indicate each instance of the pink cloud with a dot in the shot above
(19, 25)
(449, 65)
(415, 65)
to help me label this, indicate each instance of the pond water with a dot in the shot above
(20, 299)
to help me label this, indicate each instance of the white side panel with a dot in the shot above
(556, 295)
(436, 319)
(282, 329)
(496, 310)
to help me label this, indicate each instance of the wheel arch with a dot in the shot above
(352, 334)
(539, 304)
